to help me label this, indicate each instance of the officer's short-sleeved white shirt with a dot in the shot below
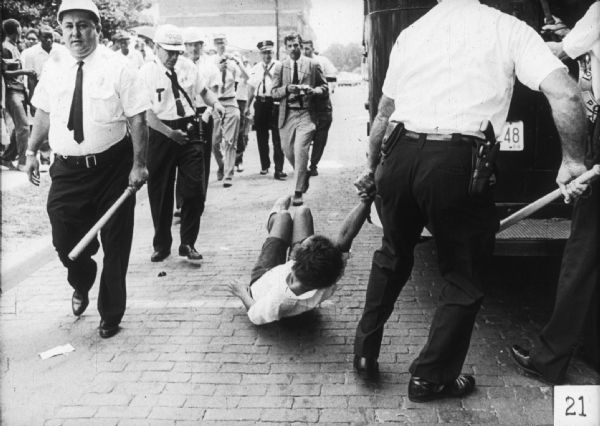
(210, 74)
(111, 92)
(157, 86)
(455, 67)
(259, 72)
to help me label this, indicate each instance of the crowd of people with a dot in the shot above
(156, 113)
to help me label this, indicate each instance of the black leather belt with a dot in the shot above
(180, 123)
(93, 160)
(437, 136)
(297, 108)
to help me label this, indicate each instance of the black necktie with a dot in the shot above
(295, 76)
(175, 88)
(75, 122)
(224, 77)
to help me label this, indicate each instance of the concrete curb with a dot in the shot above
(26, 261)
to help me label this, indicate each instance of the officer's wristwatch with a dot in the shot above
(29, 152)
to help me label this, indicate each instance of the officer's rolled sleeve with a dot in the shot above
(134, 97)
(532, 58)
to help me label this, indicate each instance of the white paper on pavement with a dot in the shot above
(59, 350)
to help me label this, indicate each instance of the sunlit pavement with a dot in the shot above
(187, 353)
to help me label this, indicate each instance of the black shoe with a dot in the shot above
(367, 368)
(159, 255)
(313, 171)
(105, 330)
(521, 358)
(421, 390)
(280, 176)
(264, 171)
(189, 251)
(79, 302)
(227, 182)
(177, 213)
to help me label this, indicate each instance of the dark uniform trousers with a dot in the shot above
(78, 197)
(420, 183)
(207, 130)
(576, 303)
(165, 157)
(266, 115)
(242, 140)
(577, 292)
(324, 119)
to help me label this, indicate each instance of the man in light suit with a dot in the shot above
(297, 81)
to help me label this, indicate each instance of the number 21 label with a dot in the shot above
(576, 405)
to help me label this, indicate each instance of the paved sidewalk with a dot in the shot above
(188, 355)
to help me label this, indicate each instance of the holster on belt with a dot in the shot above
(485, 152)
(593, 151)
(195, 130)
(393, 132)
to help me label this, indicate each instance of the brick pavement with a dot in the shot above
(187, 353)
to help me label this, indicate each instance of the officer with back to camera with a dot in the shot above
(450, 71)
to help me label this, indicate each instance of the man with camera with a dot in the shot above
(297, 82)
(175, 142)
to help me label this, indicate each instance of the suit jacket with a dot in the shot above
(310, 73)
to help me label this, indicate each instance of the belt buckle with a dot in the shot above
(90, 159)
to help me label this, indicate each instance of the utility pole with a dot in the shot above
(277, 29)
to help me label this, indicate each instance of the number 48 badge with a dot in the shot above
(576, 405)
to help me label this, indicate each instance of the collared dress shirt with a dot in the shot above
(256, 78)
(111, 93)
(158, 86)
(274, 299)
(585, 38)
(451, 89)
(210, 74)
(35, 57)
(232, 76)
(134, 58)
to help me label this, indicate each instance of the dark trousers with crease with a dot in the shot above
(207, 129)
(324, 119)
(420, 183)
(265, 118)
(78, 197)
(577, 292)
(165, 157)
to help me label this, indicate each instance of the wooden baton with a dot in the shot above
(91, 234)
(529, 209)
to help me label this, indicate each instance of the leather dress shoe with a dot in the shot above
(313, 172)
(79, 302)
(522, 359)
(367, 368)
(421, 390)
(280, 176)
(107, 330)
(159, 255)
(264, 171)
(189, 251)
